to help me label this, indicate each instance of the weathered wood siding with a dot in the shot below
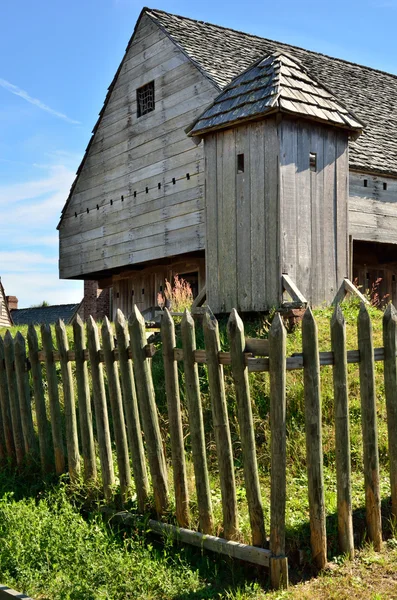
(314, 208)
(242, 251)
(148, 161)
(373, 209)
(141, 287)
(4, 315)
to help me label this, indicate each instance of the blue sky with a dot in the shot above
(56, 61)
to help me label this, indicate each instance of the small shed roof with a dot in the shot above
(275, 83)
(46, 315)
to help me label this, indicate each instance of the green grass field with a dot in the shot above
(55, 544)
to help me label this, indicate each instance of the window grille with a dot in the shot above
(145, 99)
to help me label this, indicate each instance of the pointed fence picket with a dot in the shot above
(60, 422)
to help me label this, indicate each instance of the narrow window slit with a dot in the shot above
(384, 185)
(313, 161)
(173, 181)
(240, 163)
(147, 190)
(365, 182)
(159, 186)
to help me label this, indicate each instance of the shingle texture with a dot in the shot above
(371, 95)
(46, 315)
(275, 83)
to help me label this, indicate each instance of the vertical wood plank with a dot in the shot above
(5, 407)
(13, 398)
(277, 368)
(314, 451)
(369, 428)
(258, 216)
(116, 405)
(196, 424)
(131, 412)
(273, 207)
(148, 410)
(43, 426)
(101, 410)
(53, 397)
(342, 209)
(243, 221)
(304, 210)
(3, 450)
(72, 441)
(235, 329)
(221, 426)
(390, 378)
(25, 407)
(84, 401)
(211, 206)
(175, 419)
(228, 241)
(342, 433)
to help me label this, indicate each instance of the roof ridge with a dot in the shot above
(258, 37)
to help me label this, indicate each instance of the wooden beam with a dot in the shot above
(347, 287)
(289, 286)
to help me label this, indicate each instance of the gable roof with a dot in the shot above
(274, 83)
(46, 315)
(370, 94)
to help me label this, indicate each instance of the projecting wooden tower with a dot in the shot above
(276, 153)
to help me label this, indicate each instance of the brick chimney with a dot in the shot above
(12, 302)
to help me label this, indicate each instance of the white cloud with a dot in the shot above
(14, 89)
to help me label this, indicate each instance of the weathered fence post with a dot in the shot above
(116, 404)
(131, 413)
(390, 378)
(84, 401)
(369, 428)
(277, 368)
(342, 433)
(175, 419)
(313, 427)
(236, 336)
(72, 440)
(5, 406)
(196, 423)
(43, 426)
(53, 395)
(25, 407)
(13, 397)
(101, 411)
(221, 426)
(148, 408)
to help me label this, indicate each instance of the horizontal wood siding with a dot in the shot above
(314, 208)
(372, 209)
(4, 318)
(242, 248)
(139, 195)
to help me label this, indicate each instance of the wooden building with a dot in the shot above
(5, 315)
(139, 210)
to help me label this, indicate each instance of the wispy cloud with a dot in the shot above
(14, 89)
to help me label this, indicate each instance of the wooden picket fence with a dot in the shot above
(26, 432)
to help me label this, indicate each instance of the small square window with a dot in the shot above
(145, 99)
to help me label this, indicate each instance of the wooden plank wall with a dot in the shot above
(242, 251)
(314, 208)
(4, 318)
(372, 209)
(114, 226)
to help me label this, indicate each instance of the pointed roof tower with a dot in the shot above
(276, 83)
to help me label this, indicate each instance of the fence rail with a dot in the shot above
(36, 424)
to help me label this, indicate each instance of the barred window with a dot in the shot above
(145, 99)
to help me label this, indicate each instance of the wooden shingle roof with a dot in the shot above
(222, 54)
(274, 83)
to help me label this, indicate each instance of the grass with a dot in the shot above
(97, 561)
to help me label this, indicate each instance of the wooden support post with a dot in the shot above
(175, 419)
(277, 368)
(43, 426)
(314, 451)
(390, 378)
(13, 397)
(236, 336)
(25, 407)
(221, 426)
(342, 434)
(196, 423)
(101, 410)
(5, 407)
(369, 428)
(53, 395)
(131, 413)
(116, 405)
(72, 440)
(84, 401)
(148, 409)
